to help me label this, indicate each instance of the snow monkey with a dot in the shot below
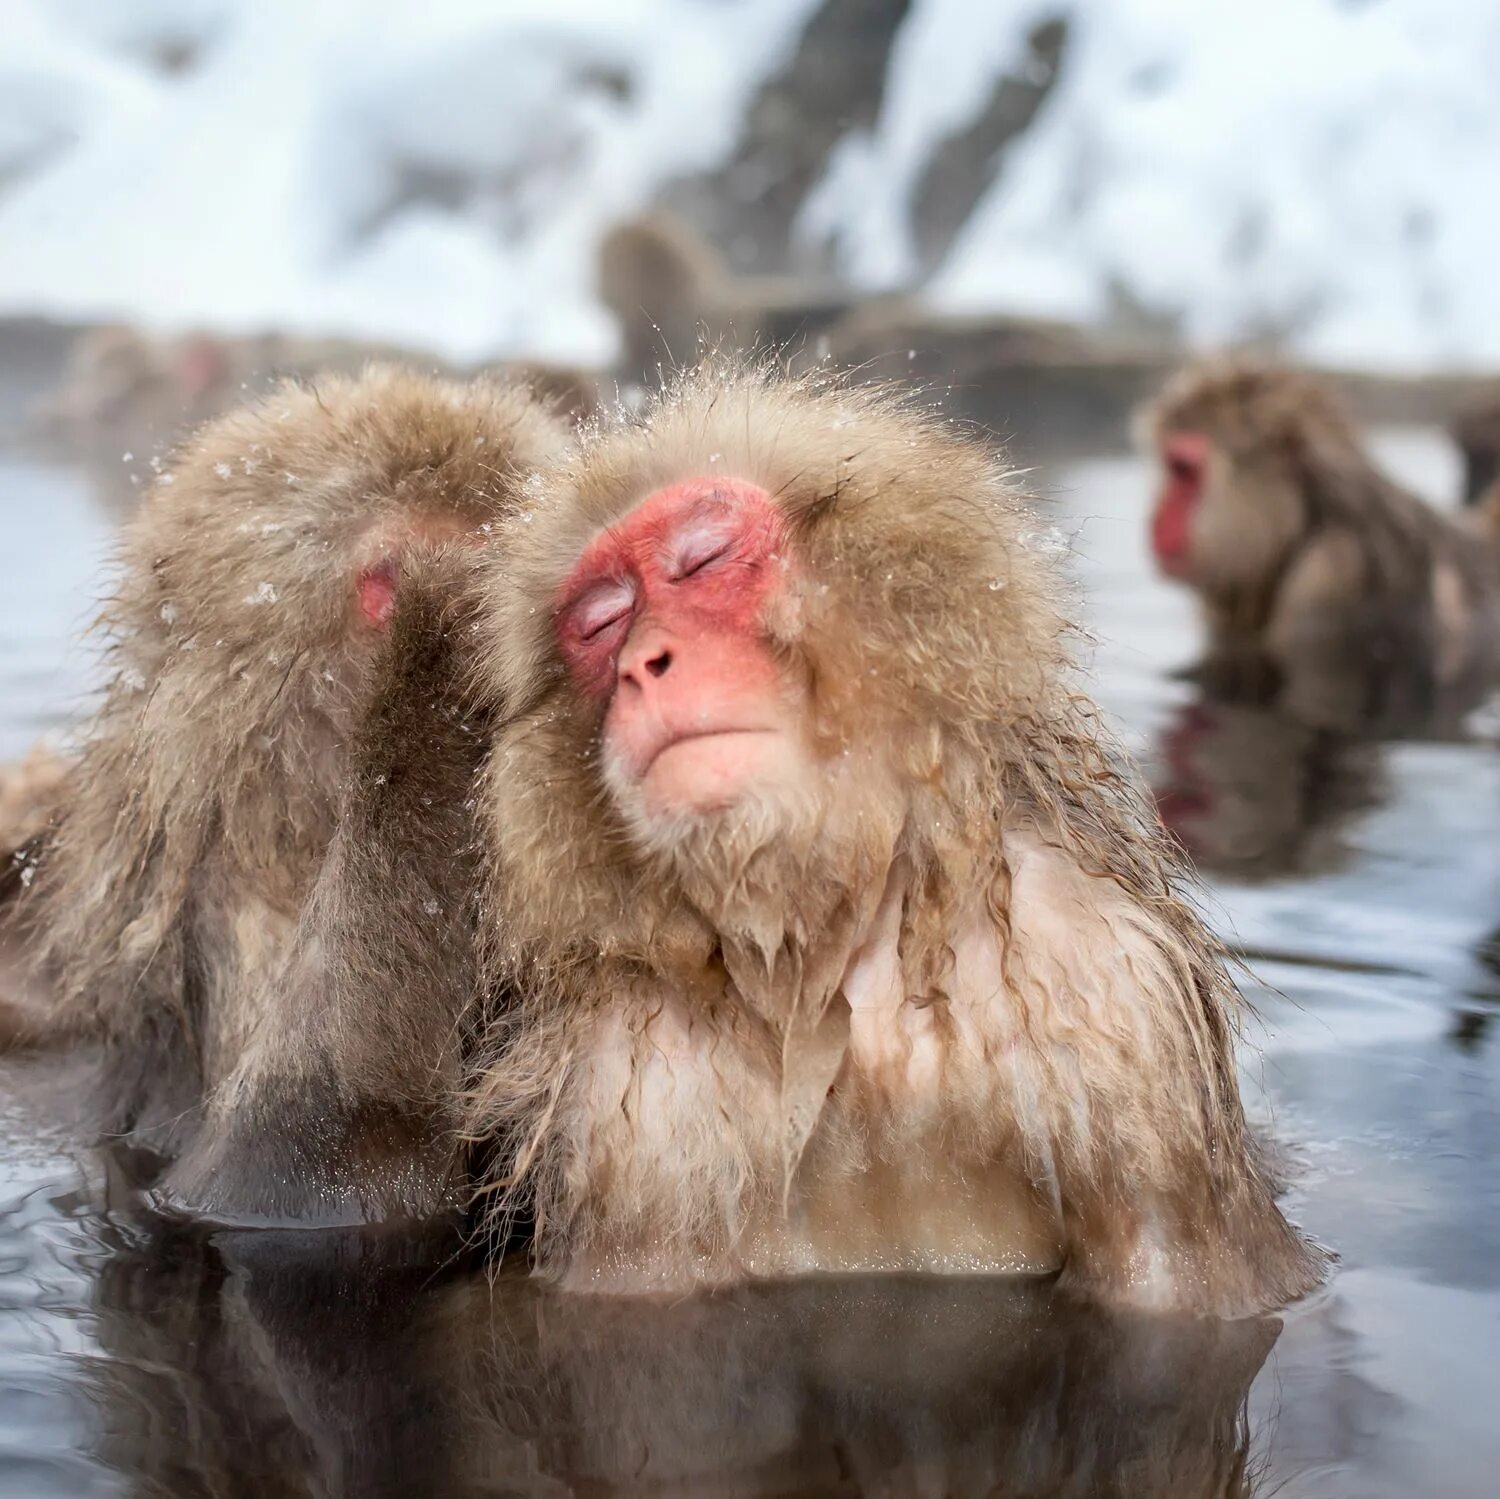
(671, 291)
(840, 940)
(255, 891)
(1308, 560)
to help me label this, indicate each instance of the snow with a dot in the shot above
(264, 187)
(1323, 168)
(438, 172)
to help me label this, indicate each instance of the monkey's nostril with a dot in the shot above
(659, 664)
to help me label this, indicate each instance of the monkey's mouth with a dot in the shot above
(698, 736)
(710, 770)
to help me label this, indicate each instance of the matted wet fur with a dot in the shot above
(1314, 568)
(681, 1087)
(232, 893)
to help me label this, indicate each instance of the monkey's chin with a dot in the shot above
(714, 772)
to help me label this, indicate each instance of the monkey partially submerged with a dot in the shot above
(256, 890)
(839, 940)
(1315, 570)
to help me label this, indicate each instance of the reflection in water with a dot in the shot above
(241, 1365)
(1252, 793)
(1471, 1028)
(1262, 778)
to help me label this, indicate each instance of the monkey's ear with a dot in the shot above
(376, 591)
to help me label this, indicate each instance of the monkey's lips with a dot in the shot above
(708, 769)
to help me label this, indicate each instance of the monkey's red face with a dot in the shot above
(664, 621)
(1184, 461)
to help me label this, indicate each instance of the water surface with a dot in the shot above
(1363, 880)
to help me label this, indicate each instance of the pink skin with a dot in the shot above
(376, 592)
(662, 621)
(1184, 461)
(378, 583)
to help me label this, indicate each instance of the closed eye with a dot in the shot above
(595, 615)
(695, 563)
(591, 627)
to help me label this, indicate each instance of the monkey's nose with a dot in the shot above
(646, 659)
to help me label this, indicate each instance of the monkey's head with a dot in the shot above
(1237, 442)
(754, 645)
(256, 588)
(262, 569)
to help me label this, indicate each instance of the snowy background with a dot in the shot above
(438, 172)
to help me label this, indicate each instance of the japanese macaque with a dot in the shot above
(1312, 566)
(672, 292)
(840, 940)
(126, 392)
(256, 890)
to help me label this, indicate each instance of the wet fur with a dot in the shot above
(682, 1076)
(195, 889)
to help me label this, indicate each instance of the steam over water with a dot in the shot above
(1362, 881)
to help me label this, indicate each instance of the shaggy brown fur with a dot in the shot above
(192, 904)
(692, 1087)
(1315, 566)
(341, 1105)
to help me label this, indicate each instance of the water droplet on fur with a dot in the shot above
(265, 593)
(996, 584)
(168, 613)
(223, 470)
(1049, 541)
